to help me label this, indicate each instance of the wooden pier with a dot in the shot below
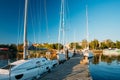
(73, 69)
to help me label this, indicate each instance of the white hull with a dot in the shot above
(111, 52)
(27, 69)
(87, 53)
(61, 56)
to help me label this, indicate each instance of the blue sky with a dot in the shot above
(103, 20)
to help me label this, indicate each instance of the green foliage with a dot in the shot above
(84, 43)
(50, 46)
(75, 45)
(78, 46)
(103, 45)
(94, 44)
(4, 46)
(118, 44)
(71, 45)
(13, 47)
(108, 43)
(20, 47)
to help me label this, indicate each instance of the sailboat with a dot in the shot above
(86, 51)
(26, 69)
(62, 55)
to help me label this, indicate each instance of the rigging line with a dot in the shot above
(20, 31)
(64, 28)
(32, 15)
(46, 18)
(21, 26)
(18, 37)
(20, 23)
(59, 34)
(32, 24)
(34, 20)
(87, 35)
(39, 21)
(63, 24)
(68, 14)
(74, 39)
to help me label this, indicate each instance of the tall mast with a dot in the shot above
(61, 27)
(25, 30)
(87, 34)
(63, 30)
(74, 39)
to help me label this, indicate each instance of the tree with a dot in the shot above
(75, 45)
(103, 45)
(94, 44)
(13, 47)
(108, 43)
(71, 45)
(113, 45)
(20, 47)
(78, 46)
(4, 46)
(13, 51)
(118, 44)
(60, 46)
(84, 43)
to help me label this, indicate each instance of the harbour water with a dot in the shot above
(3, 63)
(105, 67)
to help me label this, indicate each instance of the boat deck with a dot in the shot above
(69, 70)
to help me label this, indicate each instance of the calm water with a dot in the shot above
(3, 63)
(105, 68)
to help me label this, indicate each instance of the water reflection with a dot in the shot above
(84, 61)
(103, 58)
(104, 67)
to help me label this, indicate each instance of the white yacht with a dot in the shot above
(61, 56)
(26, 69)
(87, 53)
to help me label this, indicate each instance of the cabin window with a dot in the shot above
(19, 76)
(43, 60)
(38, 62)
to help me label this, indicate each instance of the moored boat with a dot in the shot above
(26, 69)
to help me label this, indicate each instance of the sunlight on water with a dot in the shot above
(105, 67)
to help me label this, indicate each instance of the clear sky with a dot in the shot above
(43, 20)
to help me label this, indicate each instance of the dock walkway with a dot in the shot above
(69, 70)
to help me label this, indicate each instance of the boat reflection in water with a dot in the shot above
(104, 67)
(85, 61)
